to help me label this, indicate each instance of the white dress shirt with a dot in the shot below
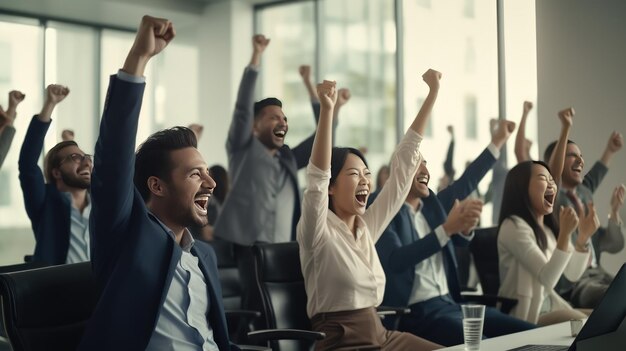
(529, 274)
(341, 272)
(78, 250)
(182, 324)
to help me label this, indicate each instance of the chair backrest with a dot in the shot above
(484, 248)
(229, 274)
(48, 308)
(281, 285)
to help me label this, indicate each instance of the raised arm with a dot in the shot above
(305, 73)
(112, 188)
(431, 77)
(240, 131)
(615, 143)
(31, 176)
(315, 199)
(557, 159)
(7, 131)
(522, 145)
(322, 144)
(448, 164)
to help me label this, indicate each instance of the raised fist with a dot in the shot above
(305, 72)
(152, 37)
(259, 43)
(343, 95)
(567, 116)
(56, 93)
(503, 131)
(15, 97)
(327, 93)
(527, 106)
(432, 78)
(615, 143)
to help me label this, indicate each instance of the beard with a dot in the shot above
(73, 181)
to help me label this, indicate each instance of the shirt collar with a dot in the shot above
(186, 242)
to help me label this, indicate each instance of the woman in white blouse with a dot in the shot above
(336, 234)
(532, 258)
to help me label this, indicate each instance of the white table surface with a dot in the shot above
(557, 334)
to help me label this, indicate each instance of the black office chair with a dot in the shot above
(484, 249)
(284, 299)
(239, 320)
(47, 308)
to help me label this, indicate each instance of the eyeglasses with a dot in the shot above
(77, 158)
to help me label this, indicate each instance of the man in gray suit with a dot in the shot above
(264, 202)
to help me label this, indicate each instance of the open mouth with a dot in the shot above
(280, 133)
(423, 179)
(84, 173)
(548, 198)
(201, 202)
(361, 197)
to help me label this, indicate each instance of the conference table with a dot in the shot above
(557, 334)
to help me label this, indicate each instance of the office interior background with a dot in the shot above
(494, 54)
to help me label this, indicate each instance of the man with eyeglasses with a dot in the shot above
(57, 199)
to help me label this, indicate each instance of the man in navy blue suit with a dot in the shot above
(159, 288)
(417, 253)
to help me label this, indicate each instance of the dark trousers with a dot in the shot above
(440, 320)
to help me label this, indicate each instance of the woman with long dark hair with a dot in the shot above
(534, 250)
(343, 276)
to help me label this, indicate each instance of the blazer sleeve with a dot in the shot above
(240, 132)
(396, 257)
(6, 138)
(31, 176)
(518, 238)
(468, 182)
(112, 187)
(594, 177)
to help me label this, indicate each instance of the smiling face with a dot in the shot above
(351, 188)
(573, 166)
(419, 187)
(188, 189)
(541, 190)
(270, 127)
(73, 168)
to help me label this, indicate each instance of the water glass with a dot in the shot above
(473, 318)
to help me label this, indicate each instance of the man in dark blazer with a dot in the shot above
(57, 199)
(159, 288)
(418, 256)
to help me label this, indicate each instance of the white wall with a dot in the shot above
(581, 58)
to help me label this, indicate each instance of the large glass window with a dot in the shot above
(291, 29)
(71, 61)
(358, 51)
(459, 39)
(521, 68)
(21, 68)
(82, 58)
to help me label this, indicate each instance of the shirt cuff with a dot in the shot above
(253, 68)
(130, 78)
(442, 236)
(494, 150)
(317, 179)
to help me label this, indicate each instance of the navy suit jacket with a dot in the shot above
(133, 257)
(49, 211)
(400, 248)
